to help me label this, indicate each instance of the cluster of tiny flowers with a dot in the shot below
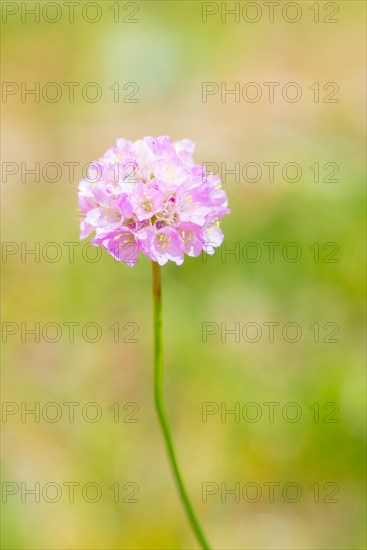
(148, 196)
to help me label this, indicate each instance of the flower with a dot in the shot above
(148, 196)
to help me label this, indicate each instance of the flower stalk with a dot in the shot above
(158, 399)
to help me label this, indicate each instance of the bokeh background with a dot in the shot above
(169, 53)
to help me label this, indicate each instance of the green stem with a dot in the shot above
(158, 397)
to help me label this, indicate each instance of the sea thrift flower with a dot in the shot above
(148, 196)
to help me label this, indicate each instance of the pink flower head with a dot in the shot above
(148, 196)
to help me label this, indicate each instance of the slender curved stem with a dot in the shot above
(158, 397)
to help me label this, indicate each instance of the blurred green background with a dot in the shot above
(169, 53)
